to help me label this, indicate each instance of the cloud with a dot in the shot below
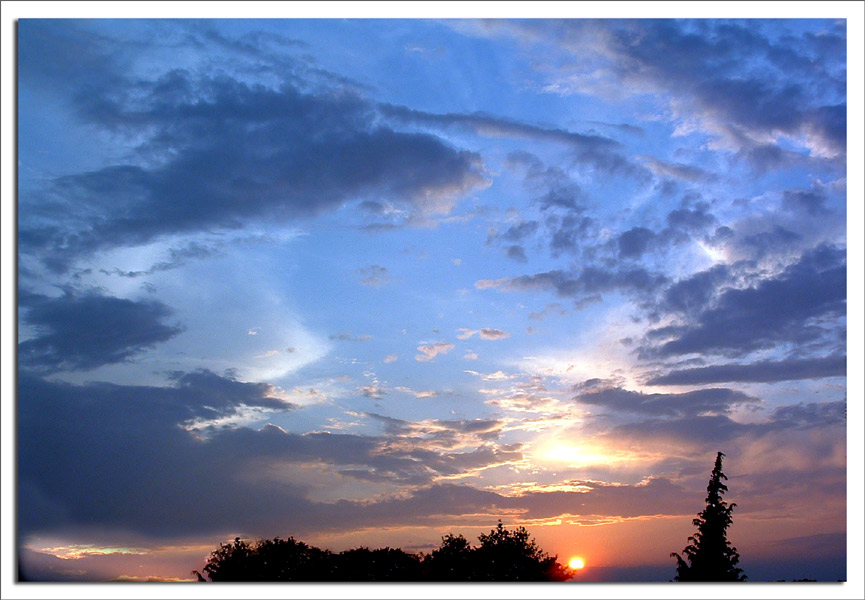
(589, 281)
(216, 152)
(372, 391)
(514, 233)
(83, 331)
(811, 202)
(634, 242)
(374, 276)
(390, 358)
(178, 257)
(550, 309)
(496, 376)
(593, 150)
(677, 170)
(416, 394)
(770, 242)
(793, 88)
(785, 308)
(691, 295)
(806, 431)
(345, 336)
(238, 472)
(232, 470)
(148, 433)
(697, 402)
(430, 351)
(465, 334)
(494, 334)
(484, 334)
(760, 371)
(810, 414)
(517, 253)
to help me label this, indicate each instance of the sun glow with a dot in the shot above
(577, 563)
(578, 456)
(715, 255)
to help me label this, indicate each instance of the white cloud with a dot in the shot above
(415, 393)
(485, 333)
(494, 334)
(429, 352)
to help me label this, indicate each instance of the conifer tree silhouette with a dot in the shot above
(709, 555)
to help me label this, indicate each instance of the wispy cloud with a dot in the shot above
(429, 351)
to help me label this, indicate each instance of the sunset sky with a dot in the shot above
(368, 282)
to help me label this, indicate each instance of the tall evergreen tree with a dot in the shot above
(709, 555)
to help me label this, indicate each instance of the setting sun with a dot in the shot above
(577, 563)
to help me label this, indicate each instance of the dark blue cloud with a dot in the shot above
(568, 232)
(516, 233)
(596, 151)
(761, 371)
(218, 153)
(710, 430)
(745, 80)
(811, 202)
(156, 461)
(82, 331)
(692, 294)
(703, 60)
(696, 218)
(634, 242)
(716, 400)
(588, 282)
(777, 239)
(517, 253)
(117, 457)
(804, 415)
(787, 308)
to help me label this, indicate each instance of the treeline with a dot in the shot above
(501, 555)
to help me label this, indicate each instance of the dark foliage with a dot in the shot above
(709, 555)
(381, 564)
(268, 560)
(502, 555)
(511, 556)
(452, 561)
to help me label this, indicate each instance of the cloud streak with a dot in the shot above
(83, 331)
(758, 372)
(429, 351)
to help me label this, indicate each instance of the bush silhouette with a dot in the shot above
(511, 556)
(709, 555)
(267, 560)
(502, 555)
(452, 561)
(382, 564)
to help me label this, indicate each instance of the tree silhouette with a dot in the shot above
(267, 560)
(381, 564)
(511, 556)
(452, 561)
(709, 555)
(503, 555)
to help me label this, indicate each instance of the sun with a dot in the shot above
(577, 563)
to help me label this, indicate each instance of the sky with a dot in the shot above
(369, 282)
